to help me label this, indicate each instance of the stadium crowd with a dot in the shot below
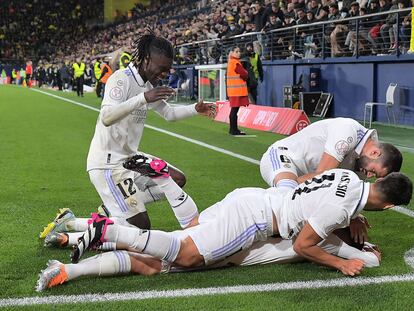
(44, 31)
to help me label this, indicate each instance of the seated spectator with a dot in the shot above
(338, 35)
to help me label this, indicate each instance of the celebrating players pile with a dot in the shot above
(311, 210)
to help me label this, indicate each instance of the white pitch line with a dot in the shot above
(399, 209)
(209, 291)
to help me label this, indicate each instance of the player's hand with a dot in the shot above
(359, 229)
(206, 109)
(352, 267)
(158, 93)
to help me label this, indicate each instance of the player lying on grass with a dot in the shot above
(129, 94)
(308, 214)
(272, 251)
(325, 145)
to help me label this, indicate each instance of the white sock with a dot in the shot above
(108, 246)
(287, 184)
(73, 237)
(148, 192)
(181, 203)
(81, 224)
(78, 224)
(111, 263)
(156, 243)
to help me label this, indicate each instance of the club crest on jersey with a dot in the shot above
(350, 140)
(116, 93)
(342, 147)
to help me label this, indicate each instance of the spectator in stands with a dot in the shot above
(259, 17)
(387, 37)
(236, 88)
(350, 40)
(404, 23)
(301, 33)
(373, 25)
(338, 35)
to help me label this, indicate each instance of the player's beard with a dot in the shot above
(361, 164)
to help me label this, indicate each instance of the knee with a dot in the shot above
(140, 220)
(178, 177)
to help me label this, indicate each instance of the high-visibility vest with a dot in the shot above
(236, 86)
(107, 74)
(124, 60)
(78, 70)
(97, 69)
(254, 61)
(212, 74)
(14, 74)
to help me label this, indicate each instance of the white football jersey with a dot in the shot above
(112, 145)
(327, 202)
(337, 137)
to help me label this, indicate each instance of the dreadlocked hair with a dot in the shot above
(148, 44)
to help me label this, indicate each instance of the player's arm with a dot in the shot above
(173, 113)
(327, 162)
(306, 245)
(370, 254)
(116, 107)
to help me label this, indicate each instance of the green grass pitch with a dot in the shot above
(44, 142)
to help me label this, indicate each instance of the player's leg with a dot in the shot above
(277, 168)
(162, 245)
(120, 197)
(183, 206)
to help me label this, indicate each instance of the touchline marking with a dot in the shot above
(197, 142)
(399, 209)
(208, 291)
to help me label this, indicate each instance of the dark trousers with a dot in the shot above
(79, 85)
(98, 89)
(233, 121)
(28, 80)
(253, 93)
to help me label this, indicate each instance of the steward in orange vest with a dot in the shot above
(236, 88)
(106, 72)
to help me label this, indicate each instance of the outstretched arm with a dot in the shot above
(173, 113)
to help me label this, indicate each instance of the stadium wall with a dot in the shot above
(352, 81)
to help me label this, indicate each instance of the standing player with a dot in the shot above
(308, 214)
(129, 94)
(325, 145)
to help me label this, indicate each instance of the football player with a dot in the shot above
(324, 145)
(129, 94)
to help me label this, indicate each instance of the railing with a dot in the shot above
(371, 34)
